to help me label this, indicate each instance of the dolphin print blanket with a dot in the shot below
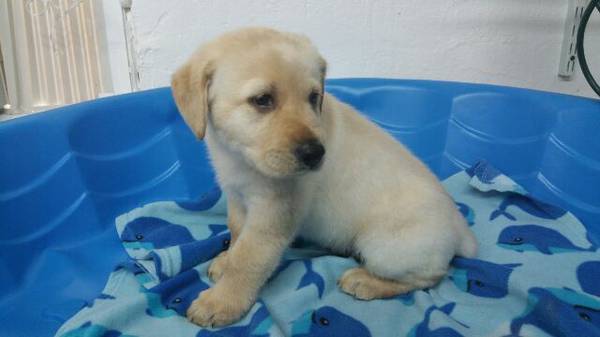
(537, 274)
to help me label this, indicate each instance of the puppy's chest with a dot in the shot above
(327, 225)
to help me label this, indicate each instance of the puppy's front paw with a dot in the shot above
(214, 308)
(215, 271)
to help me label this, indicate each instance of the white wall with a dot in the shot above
(508, 42)
(116, 52)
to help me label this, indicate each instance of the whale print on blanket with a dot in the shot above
(179, 292)
(205, 202)
(194, 253)
(537, 274)
(310, 276)
(588, 275)
(482, 278)
(93, 330)
(559, 312)
(216, 229)
(467, 212)
(423, 330)
(524, 238)
(328, 321)
(154, 233)
(484, 172)
(526, 204)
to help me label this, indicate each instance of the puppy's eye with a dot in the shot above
(263, 101)
(313, 99)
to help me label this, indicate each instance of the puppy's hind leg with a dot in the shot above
(393, 266)
(363, 285)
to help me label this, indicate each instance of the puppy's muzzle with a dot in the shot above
(310, 153)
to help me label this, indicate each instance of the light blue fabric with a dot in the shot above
(537, 274)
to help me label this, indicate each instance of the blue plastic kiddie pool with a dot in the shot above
(66, 174)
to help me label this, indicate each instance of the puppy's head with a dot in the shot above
(260, 92)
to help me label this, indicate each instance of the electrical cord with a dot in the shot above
(580, 49)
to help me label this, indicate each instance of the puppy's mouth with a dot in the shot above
(286, 164)
(305, 168)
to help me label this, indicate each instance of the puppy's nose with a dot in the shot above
(310, 153)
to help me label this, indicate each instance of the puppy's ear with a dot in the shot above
(190, 85)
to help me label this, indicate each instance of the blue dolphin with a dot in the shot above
(138, 272)
(197, 251)
(485, 172)
(482, 278)
(310, 277)
(422, 329)
(559, 312)
(154, 306)
(88, 329)
(537, 238)
(406, 298)
(194, 253)
(529, 205)
(205, 202)
(130, 265)
(467, 212)
(176, 293)
(259, 326)
(588, 275)
(216, 229)
(154, 233)
(328, 321)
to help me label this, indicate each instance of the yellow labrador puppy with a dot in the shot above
(292, 160)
